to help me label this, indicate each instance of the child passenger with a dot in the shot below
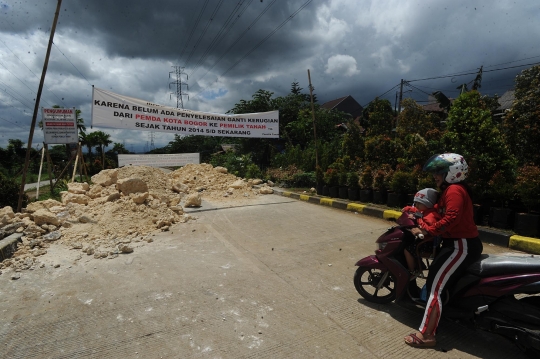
(426, 214)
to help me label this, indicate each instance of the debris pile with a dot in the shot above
(122, 207)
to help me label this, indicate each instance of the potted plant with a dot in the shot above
(380, 184)
(319, 177)
(331, 179)
(342, 181)
(366, 183)
(500, 188)
(353, 186)
(401, 184)
(527, 187)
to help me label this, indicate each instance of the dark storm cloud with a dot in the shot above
(358, 48)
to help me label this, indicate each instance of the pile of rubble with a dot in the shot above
(121, 207)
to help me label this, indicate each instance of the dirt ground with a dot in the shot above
(267, 278)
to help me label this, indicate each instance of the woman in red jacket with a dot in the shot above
(460, 242)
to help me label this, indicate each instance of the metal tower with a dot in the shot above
(178, 72)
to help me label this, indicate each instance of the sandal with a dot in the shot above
(419, 343)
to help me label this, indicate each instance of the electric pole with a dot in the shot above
(36, 106)
(178, 72)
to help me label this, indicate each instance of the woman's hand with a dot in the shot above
(416, 231)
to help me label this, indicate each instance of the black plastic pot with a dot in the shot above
(394, 199)
(344, 192)
(353, 194)
(379, 196)
(502, 218)
(334, 191)
(326, 191)
(527, 224)
(366, 195)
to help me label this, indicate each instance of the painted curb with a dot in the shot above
(525, 244)
(487, 235)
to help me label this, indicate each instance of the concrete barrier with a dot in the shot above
(487, 235)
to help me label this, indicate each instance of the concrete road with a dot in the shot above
(268, 280)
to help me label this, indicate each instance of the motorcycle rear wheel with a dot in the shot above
(366, 281)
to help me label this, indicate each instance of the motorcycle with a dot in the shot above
(499, 293)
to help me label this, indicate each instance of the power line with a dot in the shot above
(31, 70)
(19, 79)
(266, 38)
(193, 30)
(204, 31)
(72, 64)
(474, 73)
(239, 38)
(13, 123)
(366, 105)
(221, 34)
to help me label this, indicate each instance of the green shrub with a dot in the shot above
(353, 180)
(331, 177)
(305, 179)
(253, 171)
(9, 193)
(528, 185)
(402, 182)
(366, 178)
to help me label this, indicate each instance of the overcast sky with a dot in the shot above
(229, 49)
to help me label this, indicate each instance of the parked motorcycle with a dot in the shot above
(499, 293)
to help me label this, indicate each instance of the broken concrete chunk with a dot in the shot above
(44, 216)
(105, 178)
(124, 248)
(238, 184)
(266, 190)
(49, 203)
(221, 169)
(139, 198)
(131, 185)
(53, 236)
(193, 200)
(74, 198)
(78, 188)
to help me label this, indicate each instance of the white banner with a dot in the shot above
(116, 111)
(161, 160)
(59, 125)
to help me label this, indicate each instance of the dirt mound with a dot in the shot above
(120, 210)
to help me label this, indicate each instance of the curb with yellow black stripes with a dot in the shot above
(488, 235)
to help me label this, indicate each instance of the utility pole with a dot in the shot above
(36, 106)
(399, 103)
(314, 128)
(178, 72)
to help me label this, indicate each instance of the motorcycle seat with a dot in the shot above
(488, 266)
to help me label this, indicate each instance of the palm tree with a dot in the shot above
(88, 140)
(102, 141)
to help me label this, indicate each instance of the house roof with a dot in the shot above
(332, 104)
(433, 105)
(506, 100)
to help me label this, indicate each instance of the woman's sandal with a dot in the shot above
(419, 343)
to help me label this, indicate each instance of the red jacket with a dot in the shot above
(429, 217)
(456, 209)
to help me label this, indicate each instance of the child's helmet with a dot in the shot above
(452, 165)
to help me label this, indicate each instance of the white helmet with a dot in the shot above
(452, 165)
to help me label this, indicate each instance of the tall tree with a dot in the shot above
(102, 141)
(472, 133)
(522, 122)
(413, 119)
(377, 117)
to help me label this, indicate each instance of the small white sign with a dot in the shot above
(163, 160)
(59, 125)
